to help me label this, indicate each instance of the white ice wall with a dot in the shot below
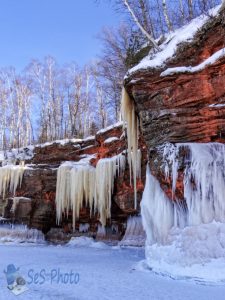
(204, 191)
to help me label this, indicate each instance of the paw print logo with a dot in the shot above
(16, 283)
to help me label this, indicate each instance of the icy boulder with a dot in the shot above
(86, 242)
(135, 234)
(20, 234)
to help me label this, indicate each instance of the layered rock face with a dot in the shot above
(34, 203)
(182, 106)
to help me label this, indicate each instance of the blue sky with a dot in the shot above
(65, 29)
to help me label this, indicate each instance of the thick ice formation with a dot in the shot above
(62, 190)
(193, 233)
(131, 121)
(20, 234)
(195, 253)
(10, 178)
(193, 244)
(204, 180)
(79, 183)
(134, 235)
(82, 187)
(84, 227)
(106, 171)
(204, 186)
(86, 242)
(157, 211)
(101, 232)
(75, 183)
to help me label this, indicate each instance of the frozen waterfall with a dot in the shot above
(79, 184)
(157, 211)
(191, 234)
(131, 122)
(10, 178)
(204, 191)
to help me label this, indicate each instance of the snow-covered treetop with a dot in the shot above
(172, 41)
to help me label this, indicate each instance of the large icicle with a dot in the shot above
(157, 211)
(82, 187)
(205, 200)
(63, 190)
(131, 121)
(75, 183)
(204, 180)
(79, 183)
(106, 171)
(10, 178)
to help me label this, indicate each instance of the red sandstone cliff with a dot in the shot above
(39, 182)
(184, 106)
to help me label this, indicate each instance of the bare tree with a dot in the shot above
(190, 9)
(166, 15)
(112, 65)
(101, 98)
(149, 36)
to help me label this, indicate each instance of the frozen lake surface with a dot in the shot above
(104, 273)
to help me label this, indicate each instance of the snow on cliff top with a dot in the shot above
(27, 153)
(209, 61)
(103, 130)
(173, 39)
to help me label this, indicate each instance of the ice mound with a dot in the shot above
(83, 241)
(20, 234)
(135, 234)
(195, 252)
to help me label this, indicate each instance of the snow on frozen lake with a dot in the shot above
(105, 273)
